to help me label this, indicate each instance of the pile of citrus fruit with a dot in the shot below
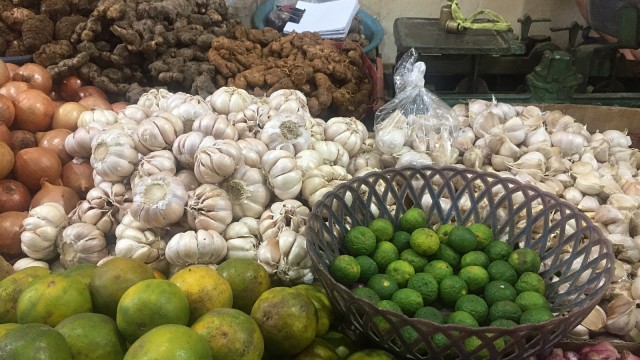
(123, 309)
(451, 274)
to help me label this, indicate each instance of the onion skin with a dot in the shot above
(12, 88)
(119, 106)
(54, 140)
(34, 164)
(95, 102)
(69, 88)
(35, 75)
(14, 196)
(10, 230)
(7, 160)
(12, 68)
(22, 139)
(57, 194)
(86, 91)
(66, 116)
(34, 111)
(7, 111)
(5, 135)
(77, 175)
(4, 73)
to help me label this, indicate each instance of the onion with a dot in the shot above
(54, 140)
(95, 102)
(7, 160)
(77, 175)
(69, 88)
(12, 88)
(57, 194)
(14, 196)
(10, 230)
(7, 111)
(22, 139)
(5, 135)
(4, 73)
(66, 116)
(12, 69)
(34, 110)
(86, 91)
(34, 164)
(119, 106)
(35, 75)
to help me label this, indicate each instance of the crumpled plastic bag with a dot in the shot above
(416, 119)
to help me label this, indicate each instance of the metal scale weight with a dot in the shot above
(481, 58)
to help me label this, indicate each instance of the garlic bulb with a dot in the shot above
(217, 160)
(288, 101)
(252, 151)
(195, 247)
(294, 266)
(283, 176)
(243, 239)
(113, 155)
(104, 206)
(81, 243)
(209, 208)
(307, 160)
(484, 123)
(286, 132)
(363, 160)
(392, 133)
(290, 214)
(186, 107)
(332, 153)
(188, 179)
(226, 100)
(245, 124)
(617, 138)
(620, 316)
(248, 192)
(320, 181)
(78, 143)
(151, 99)
(101, 117)
(568, 142)
(134, 112)
(158, 200)
(464, 139)
(348, 132)
(157, 132)
(157, 161)
(268, 254)
(139, 242)
(41, 229)
(212, 124)
(475, 157)
(317, 128)
(185, 147)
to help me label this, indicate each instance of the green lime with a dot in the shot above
(366, 293)
(368, 268)
(438, 269)
(409, 300)
(474, 257)
(484, 234)
(382, 228)
(416, 260)
(530, 281)
(462, 318)
(401, 240)
(360, 240)
(501, 270)
(473, 342)
(424, 241)
(474, 305)
(383, 284)
(503, 323)
(440, 340)
(451, 289)
(531, 300)
(426, 285)
(476, 278)
(400, 271)
(388, 305)
(370, 354)
(345, 269)
(462, 240)
(384, 254)
(498, 250)
(506, 310)
(446, 253)
(413, 219)
(525, 260)
(536, 315)
(443, 232)
(430, 313)
(499, 290)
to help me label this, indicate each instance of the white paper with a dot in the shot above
(331, 19)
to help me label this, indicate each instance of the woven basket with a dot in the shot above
(577, 259)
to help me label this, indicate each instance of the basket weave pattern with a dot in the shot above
(577, 259)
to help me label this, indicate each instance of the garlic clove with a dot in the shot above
(579, 332)
(500, 162)
(620, 315)
(596, 319)
(635, 288)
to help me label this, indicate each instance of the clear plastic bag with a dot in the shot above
(416, 119)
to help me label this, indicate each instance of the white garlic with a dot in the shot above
(475, 157)
(538, 136)
(26, 262)
(464, 139)
(392, 133)
(588, 204)
(134, 112)
(283, 176)
(252, 151)
(101, 117)
(318, 182)
(248, 192)
(113, 155)
(569, 143)
(286, 132)
(209, 208)
(572, 195)
(589, 183)
(348, 132)
(81, 243)
(157, 132)
(158, 200)
(216, 125)
(226, 100)
(40, 229)
(195, 247)
(186, 107)
(216, 160)
(138, 242)
(185, 147)
(413, 158)
(243, 239)
(617, 138)
(332, 153)
(290, 214)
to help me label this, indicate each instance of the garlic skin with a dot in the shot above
(41, 229)
(392, 133)
(286, 132)
(216, 160)
(103, 206)
(364, 160)
(248, 192)
(186, 107)
(253, 150)
(158, 200)
(320, 181)
(414, 158)
(138, 242)
(151, 99)
(475, 157)
(78, 143)
(209, 208)
(617, 138)
(283, 176)
(243, 239)
(81, 243)
(156, 162)
(134, 112)
(348, 132)
(195, 247)
(245, 124)
(307, 160)
(464, 139)
(100, 117)
(226, 100)
(332, 153)
(26, 262)
(185, 147)
(570, 143)
(113, 155)
(620, 316)
(290, 214)
(216, 125)
(538, 136)
(294, 266)
(157, 132)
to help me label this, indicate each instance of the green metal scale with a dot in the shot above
(480, 62)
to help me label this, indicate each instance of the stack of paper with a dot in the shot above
(331, 19)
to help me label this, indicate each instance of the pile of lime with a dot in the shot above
(451, 274)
